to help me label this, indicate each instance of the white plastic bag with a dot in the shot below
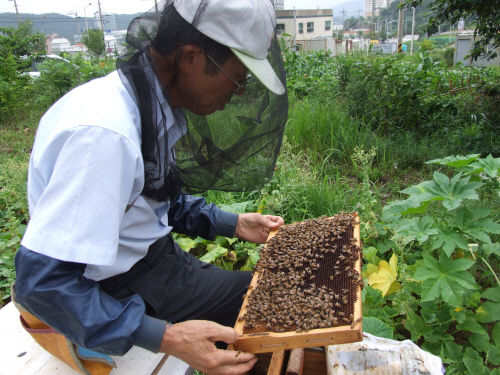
(376, 355)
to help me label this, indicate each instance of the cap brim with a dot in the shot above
(262, 70)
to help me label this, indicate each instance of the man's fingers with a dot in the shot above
(221, 333)
(231, 357)
(239, 368)
(274, 221)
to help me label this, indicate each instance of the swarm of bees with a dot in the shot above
(308, 278)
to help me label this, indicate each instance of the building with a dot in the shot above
(373, 7)
(108, 21)
(59, 45)
(279, 4)
(305, 24)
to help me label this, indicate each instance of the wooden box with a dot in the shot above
(261, 339)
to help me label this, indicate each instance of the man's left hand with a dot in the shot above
(254, 227)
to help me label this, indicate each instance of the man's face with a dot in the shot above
(209, 93)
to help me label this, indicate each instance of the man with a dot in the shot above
(110, 170)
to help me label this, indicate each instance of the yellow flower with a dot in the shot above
(458, 309)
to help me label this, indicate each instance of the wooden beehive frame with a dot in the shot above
(272, 341)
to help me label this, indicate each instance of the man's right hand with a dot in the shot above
(194, 343)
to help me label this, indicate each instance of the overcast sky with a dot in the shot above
(124, 6)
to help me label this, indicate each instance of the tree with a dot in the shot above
(94, 41)
(22, 44)
(485, 13)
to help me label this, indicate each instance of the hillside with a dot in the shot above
(352, 9)
(63, 26)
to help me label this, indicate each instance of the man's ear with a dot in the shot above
(191, 55)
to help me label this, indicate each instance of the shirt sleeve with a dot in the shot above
(193, 216)
(57, 293)
(79, 188)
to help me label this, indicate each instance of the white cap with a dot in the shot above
(245, 26)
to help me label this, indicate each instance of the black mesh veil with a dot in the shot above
(234, 149)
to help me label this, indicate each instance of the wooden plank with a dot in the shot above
(14, 341)
(273, 341)
(296, 362)
(276, 363)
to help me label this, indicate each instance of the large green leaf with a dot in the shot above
(453, 191)
(495, 334)
(475, 366)
(445, 278)
(449, 239)
(237, 208)
(456, 161)
(465, 217)
(418, 228)
(492, 294)
(493, 355)
(480, 341)
(470, 325)
(488, 312)
(186, 243)
(415, 204)
(459, 316)
(416, 325)
(216, 253)
(493, 248)
(489, 165)
(377, 327)
(453, 351)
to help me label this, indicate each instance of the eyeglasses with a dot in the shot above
(241, 85)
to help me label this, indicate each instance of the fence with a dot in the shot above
(336, 47)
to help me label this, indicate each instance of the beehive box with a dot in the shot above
(306, 288)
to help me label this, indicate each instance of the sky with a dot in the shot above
(123, 6)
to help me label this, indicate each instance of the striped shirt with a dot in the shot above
(86, 167)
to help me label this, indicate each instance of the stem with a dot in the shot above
(491, 269)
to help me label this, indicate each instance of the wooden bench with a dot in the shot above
(21, 355)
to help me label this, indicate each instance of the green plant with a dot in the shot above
(94, 41)
(449, 261)
(227, 253)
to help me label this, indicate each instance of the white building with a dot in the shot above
(373, 7)
(305, 24)
(279, 4)
(59, 45)
(108, 21)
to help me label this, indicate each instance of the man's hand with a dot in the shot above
(255, 227)
(193, 342)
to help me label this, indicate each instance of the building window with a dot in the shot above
(280, 28)
(301, 28)
(328, 25)
(310, 27)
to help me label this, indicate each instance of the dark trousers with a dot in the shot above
(176, 286)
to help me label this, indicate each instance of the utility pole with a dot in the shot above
(85, 14)
(157, 14)
(412, 30)
(78, 23)
(102, 28)
(400, 29)
(17, 12)
(343, 16)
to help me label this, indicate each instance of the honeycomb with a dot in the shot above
(308, 278)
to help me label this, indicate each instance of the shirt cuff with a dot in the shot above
(149, 335)
(226, 225)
